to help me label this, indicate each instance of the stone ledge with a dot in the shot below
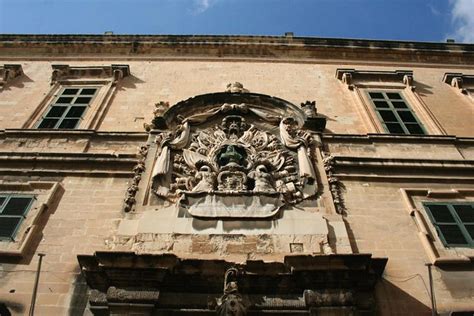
(142, 136)
(390, 138)
(349, 161)
(40, 163)
(220, 47)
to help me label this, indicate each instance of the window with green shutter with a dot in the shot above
(68, 108)
(454, 222)
(13, 209)
(394, 113)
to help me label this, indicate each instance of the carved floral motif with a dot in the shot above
(236, 156)
(334, 184)
(231, 150)
(133, 187)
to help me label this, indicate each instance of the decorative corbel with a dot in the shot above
(408, 81)
(58, 72)
(459, 81)
(118, 74)
(309, 108)
(347, 79)
(313, 121)
(345, 75)
(9, 72)
(158, 121)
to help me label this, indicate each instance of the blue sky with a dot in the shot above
(413, 20)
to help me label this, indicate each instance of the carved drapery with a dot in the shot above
(235, 159)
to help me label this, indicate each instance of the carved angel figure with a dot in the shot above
(263, 179)
(206, 178)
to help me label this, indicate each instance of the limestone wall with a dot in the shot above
(85, 215)
(89, 217)
(173, 81)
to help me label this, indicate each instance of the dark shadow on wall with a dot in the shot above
(352, 239)
(18, 82)
(454, 278)
(129, 82)
(79, 296)
(7, 307)
(393, 301)
(422, 89)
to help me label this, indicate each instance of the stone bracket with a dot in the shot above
(9, 72)
(459, 80)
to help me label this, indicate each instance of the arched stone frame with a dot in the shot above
(103, 77)
(359, 82)
(261, 110)
(150, 214)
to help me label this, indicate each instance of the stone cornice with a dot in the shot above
(41, 163)
(139, 136)
(403, 168)
(233, 46)
(388, 138)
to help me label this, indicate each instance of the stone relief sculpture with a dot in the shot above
(206, 178)
(231, 303)
(235, 160)
(263, 179)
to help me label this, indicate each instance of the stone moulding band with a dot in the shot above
(276, 47)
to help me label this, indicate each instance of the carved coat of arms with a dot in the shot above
(235, 160)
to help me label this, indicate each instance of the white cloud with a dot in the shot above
(463, 19)
(202, 5)
(433, 10)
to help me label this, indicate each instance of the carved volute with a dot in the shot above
(221, 146)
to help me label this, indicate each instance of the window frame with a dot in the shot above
(458, 222)
(60, 94)
(394, 111)
(107, 78)
(22, 217)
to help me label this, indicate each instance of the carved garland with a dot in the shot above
(133, 188)
(334, 183)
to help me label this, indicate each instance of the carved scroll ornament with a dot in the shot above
(249, 164)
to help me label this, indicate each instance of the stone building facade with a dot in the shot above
(231, 175)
